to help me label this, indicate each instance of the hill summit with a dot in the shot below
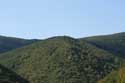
(60, 60)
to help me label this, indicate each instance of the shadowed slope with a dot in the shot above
(112, 43)
(10, 43)
(8, 76)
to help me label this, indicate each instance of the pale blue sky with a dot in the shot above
(46, 18)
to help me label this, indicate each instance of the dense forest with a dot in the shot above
(63, 59)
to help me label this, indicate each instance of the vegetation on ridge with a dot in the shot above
(10, 43)
(60, 60)
(64, 60)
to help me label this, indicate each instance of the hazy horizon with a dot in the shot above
(39, 19)
(61, 35)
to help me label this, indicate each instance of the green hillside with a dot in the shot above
(60, 60)
(114, 43)
(10, 43)
(115, 76)
(8, 76)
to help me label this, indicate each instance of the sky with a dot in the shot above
(46, 18)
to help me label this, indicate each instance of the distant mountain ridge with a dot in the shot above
(10, 43)
(114, 43)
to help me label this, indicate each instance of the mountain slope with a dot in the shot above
(115, 76)
(8, 76)
(114, 43)
(10, 43)
(60, 60)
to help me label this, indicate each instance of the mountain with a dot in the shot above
(115, 76)
(8, 76)
(61, 60)
(10, 43)
(114, 43)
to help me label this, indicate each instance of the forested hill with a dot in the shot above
(114, 43)
(60, 60)
(10, 43)
(63, 59)
(8, 76)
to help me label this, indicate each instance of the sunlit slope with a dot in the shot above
(60, 60)
(115, 76)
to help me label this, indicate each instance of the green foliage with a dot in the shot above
(60, 60)
(115, 77)
(8, 76)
